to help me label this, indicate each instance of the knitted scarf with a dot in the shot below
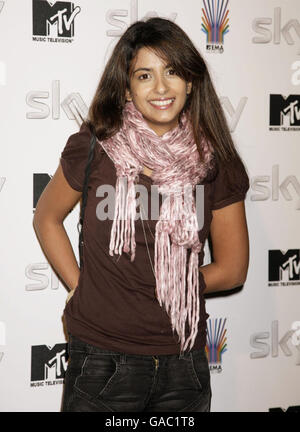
(175, 163)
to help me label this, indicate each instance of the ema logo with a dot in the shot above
(53, 21)
(215, 24)
(284, 113)
(48, 365)
(216, 343)
(284, 268)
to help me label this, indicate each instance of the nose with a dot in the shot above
(161, 85)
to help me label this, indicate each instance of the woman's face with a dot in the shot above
(156, 91)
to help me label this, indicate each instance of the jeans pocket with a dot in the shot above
(98, 375)
(200, 369)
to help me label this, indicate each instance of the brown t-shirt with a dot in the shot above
(114, 306)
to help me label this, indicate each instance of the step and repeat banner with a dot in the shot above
(52, 54)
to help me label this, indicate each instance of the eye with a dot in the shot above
(143, 76)
(171, 71)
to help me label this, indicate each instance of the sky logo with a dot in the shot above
(279, 30)
(119, 26)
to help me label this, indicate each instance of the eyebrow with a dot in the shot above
(147, 69)
(143, 69)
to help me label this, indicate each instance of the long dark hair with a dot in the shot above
(172, 44)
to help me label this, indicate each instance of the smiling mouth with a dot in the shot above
(162, 104)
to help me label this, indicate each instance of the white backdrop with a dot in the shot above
(47, 72)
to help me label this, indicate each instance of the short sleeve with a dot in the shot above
(74, 157)
(230, 185)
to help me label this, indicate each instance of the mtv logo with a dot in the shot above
(284, 266)
(40, 181)
(56, 366)
(53, 19)
(48, 363)
(284, 111)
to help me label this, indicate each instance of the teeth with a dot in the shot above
(162, 103)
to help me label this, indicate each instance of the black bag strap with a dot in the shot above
(84, 196)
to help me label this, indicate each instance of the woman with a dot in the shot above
(135, 313)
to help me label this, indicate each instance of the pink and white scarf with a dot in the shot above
(175, 163)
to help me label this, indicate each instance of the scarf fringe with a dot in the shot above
(123, 227)
(176, 292)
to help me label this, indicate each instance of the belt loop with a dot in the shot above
(181, 355)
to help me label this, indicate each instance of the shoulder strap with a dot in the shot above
(84, 196)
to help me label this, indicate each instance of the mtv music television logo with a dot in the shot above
(284, 113)
(53, 21)
(215, 24)
(216, 344)
(48, 365)
(40, 181)
(284, 267)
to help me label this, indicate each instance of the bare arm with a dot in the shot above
(230, 241)
(55, 203)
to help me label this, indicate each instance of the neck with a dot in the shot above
(161, 129)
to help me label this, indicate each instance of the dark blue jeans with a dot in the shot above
(99, 380)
